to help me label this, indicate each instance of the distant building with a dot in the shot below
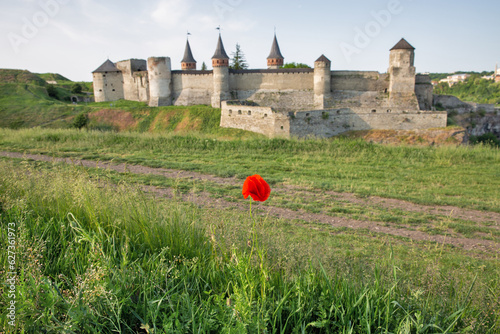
(495, 76)
(456, 78)
(51, 82)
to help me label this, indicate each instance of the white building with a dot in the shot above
(453, 79)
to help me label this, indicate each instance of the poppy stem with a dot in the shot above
(251, 208)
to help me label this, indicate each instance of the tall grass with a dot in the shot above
(97, 258)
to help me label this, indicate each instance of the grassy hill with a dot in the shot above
(25, 102)
(20, 77)
(52, 77)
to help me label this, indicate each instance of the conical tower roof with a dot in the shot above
(402, 45)
(323, 59)
(275, 50)
(220, 53)
(107, 66)
(188, 55)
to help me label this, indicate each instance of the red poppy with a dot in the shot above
(256, 187)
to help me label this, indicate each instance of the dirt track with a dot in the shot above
(374, 226)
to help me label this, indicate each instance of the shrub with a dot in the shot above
(81, 120)
(76, 88)
(487, 139)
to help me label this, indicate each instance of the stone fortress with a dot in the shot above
(281, 102)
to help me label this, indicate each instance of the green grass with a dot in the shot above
(459, 176)
(95, 256)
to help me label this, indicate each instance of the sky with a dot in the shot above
(74, 37)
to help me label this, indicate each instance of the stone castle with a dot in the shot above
(281, 102)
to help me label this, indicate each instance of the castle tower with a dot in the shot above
(275, 59)
(496, 75)
(188, 62)
(108, 82)
(220, 64)
(402, 74)
(322, 82)
(160, 79)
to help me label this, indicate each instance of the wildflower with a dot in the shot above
(257, 188)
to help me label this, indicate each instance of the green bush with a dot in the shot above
(487, 139)
(76, 88)
(81, 120)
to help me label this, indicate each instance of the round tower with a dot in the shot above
(220, 64)
(275, 59)
(188, 62)
(160, 79)
(402, 75)
(322, 82)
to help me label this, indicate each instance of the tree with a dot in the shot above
(76, 88)
(238, 62)
(296, 65)
(203, 66)
(81, 120)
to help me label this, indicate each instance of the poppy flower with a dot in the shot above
(256, 187)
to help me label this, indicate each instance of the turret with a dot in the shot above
(220, 64)
(160, 79)
(188, 62)
(107, 82)
(322, 82)
(402, 74)
(275, 59)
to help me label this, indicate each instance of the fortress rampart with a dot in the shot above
(324, 123)
(284, 102)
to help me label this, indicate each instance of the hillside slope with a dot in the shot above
(26, 102)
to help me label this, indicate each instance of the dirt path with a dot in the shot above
(203, 199)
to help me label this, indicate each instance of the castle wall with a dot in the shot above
(135, 79)
(192, 87)
(423, 90)
(328, 123)
(325, 123)
(257, 119)
(280, 89)
(362, 81)
(141, 82)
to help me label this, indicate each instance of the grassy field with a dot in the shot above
(460, 176)
(95, 253)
